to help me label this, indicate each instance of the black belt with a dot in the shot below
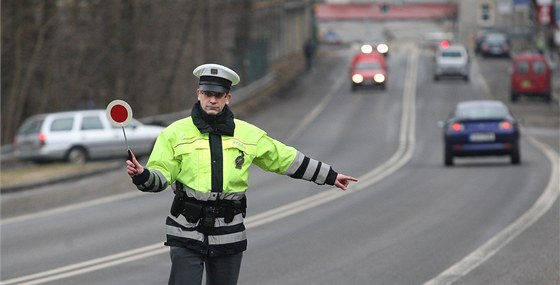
(207, 211)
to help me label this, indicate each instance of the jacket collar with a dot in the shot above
(221, 124)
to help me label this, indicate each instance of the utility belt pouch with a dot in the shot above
(176, 206)
(209, 215)
(234, 208)
(192, 211)
(229, 213)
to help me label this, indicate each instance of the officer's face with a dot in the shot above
(212, 102)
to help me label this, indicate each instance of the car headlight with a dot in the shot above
(357, 78)
(382, 48)
(366, 48)
(379, 78)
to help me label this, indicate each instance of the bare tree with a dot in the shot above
(63, 55)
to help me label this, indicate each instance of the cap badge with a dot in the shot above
(214, 71)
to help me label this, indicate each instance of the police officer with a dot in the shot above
(205, 158)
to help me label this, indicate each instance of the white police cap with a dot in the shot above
(215, 78)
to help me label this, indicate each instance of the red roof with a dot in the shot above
(339, 11)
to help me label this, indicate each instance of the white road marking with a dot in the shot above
(99, 201)
(497, 242)
(493, 245)
(401, 156)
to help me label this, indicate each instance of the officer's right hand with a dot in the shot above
(133, 166)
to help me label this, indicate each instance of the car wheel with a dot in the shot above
(466, 78)
(436, 77)
(448, 157)
(77, 155)
(514, 97)
(515, 155)
(547, 98)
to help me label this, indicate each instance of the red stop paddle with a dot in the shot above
(119, 114)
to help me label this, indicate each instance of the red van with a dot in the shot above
(530, 76)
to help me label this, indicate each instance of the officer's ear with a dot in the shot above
(198, 94)
(228, 97)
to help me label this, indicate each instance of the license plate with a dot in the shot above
(525, 84)
(482, 137)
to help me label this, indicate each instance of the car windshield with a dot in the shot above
(31, 126)
(481, 111)
(368, 65)
(495, 38)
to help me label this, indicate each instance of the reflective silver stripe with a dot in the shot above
(219, 222)
(322, 177)
(156, 179)
(225, 239)
(181, 220)
(211, 196)
(216, 239)
(161, 183)
(311, 168)
(237, 219)
(178, 232)
(295, 164)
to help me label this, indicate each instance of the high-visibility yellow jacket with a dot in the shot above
(182, 154)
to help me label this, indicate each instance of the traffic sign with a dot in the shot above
(120, 114)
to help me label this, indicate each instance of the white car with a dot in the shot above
(452, 60)
(78, 136)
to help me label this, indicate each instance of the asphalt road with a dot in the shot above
(408, 221)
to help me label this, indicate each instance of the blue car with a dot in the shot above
(481, 128)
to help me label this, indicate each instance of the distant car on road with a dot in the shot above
(331, 38)
(368, 70)
(531, 77)
(452, 60)
(481, 128)
(495, 44)
(78, 136)
(433, 40)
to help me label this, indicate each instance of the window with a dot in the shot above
(91, 123)
(31, 126)
(368, 66)
(63, 124)
(522, 67)
(485, 17)
(451, 54)
(538, 67)
(482, 112)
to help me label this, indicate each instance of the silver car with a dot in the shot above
(452, 60)
(78, 136)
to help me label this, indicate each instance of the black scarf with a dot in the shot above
(221, 124)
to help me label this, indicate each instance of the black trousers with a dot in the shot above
(187, 268)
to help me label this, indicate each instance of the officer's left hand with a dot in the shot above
(342, 181)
